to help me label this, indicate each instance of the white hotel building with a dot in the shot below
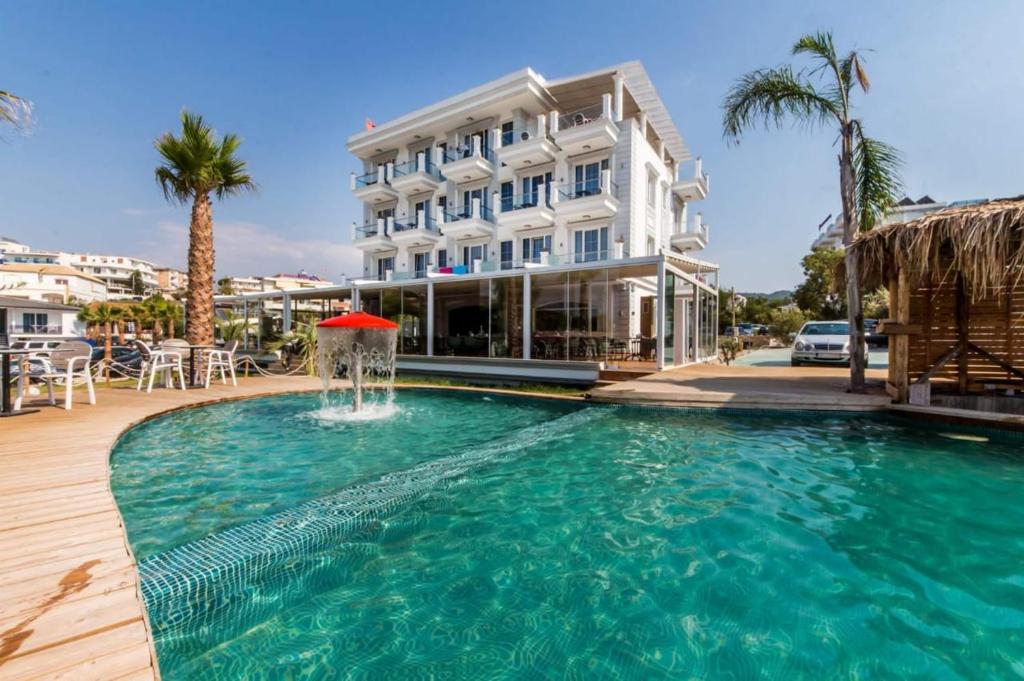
(535, 228)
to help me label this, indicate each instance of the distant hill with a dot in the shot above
(774, 295)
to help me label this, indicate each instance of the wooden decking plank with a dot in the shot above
(109, 560)
(25, 596)
(70, 656)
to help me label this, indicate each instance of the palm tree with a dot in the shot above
(88, 317)
(152, 315)
(171, 316)
(868, 169)
(106, 315)
(14, 110)
(196, 165)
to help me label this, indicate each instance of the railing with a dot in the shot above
(410, 167)
(371, 229)
(580, 116)
(427, 223)
(37, 328)
(373, 178)
(576, 190)
(528, 200)
(466, 213)
(469, 151)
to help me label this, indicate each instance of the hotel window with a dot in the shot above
(421, 263)
(383, 266)
(506, 133)
(421, 206)
(507, 200)
(530, 189)
(591, 244)
(588, 178)
(534, 246)
(33, 321)
(442, 257)
(470, 254)
(507, 249)
(467, 201)
(442, 206)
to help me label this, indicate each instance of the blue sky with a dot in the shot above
(295, 80)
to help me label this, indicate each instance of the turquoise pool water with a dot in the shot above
(495, 538)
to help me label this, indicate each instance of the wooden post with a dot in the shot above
(963, 322)
(899, 360)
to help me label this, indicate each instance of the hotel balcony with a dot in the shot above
(695, 239)
(465, 222)
(693, 188)
(375, 187)
(586, 130)
(521, 149)
(423, 232)
(526, 211)
(374, 237)
(418, 175)
(465, 164)
(587, 200)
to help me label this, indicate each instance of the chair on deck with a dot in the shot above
(165, 361)
(69, 360)
(223, 359)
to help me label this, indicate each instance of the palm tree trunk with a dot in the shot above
(199, 322)
(170, 327)
(855, 309)
(106, 350)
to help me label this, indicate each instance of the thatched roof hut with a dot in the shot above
(956, 293)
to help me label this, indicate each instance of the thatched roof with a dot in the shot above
(982, 242)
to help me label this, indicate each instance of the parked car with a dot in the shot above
(871, 335)
(823, 342)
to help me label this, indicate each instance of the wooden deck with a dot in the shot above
(69, 601)
(748, 387)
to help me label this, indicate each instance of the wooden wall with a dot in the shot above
(995, 323)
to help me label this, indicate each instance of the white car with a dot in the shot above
(823, 342)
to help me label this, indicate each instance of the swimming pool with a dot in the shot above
(491, 537)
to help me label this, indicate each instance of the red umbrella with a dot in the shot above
(358, 320)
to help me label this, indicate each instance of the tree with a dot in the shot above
(15, 111)
(233, 327)
(106, 315)
(868, 180)
(153, 314)
(224, 286)
(196, 166)
(786, 321)
(300, 342)
(172, 314)
(88, 317)
(876, 304)
(817, 295)
(136, 283)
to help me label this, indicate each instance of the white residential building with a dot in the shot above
(907, 209)
(23, 319)
(170, 281)
(525, 182)
(114, 270)
(51, 283)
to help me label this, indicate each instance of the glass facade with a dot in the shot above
(598, 314)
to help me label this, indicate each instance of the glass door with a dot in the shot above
(421, 264)
(591, 244)
(383, 266)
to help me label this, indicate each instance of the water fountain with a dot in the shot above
(362, 347)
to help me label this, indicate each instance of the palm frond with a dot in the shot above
(819, 46)
(876, 165)
(770, 96)
(15, 111)
(197, 163)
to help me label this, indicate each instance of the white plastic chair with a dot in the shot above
(67, 361)
(160, 360)
(223, 359)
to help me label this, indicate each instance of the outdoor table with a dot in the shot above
(6, 406)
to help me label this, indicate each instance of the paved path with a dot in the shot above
(878, 358)
(749, 387)
(69, 601)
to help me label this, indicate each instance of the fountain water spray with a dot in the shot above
(363, 347)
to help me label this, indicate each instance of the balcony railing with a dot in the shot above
(383, 174)
(427, 223)
(371, 229)
(37, 328)
(528, 200)
(425, 166)
(580, 116)
(466, 213)
(577, 190)
(464, 151)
